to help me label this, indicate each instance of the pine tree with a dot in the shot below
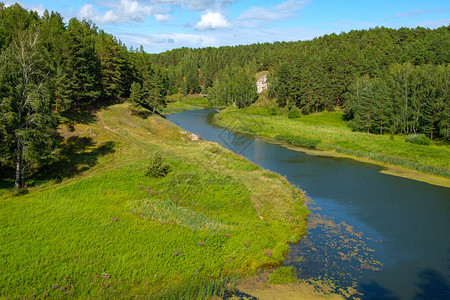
(135, 94)
(81, 64)
(282, 83)
(110, 66)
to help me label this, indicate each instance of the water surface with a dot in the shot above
(387, 236)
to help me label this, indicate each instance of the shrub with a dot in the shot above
(157, 168)
(294, 112)
(352, 125)
(283, 275)
(419, 139)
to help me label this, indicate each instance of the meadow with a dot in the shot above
(328, 131)
(95, 226)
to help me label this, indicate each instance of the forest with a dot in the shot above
(386, 80)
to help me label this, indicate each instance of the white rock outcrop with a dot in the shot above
(261, 84)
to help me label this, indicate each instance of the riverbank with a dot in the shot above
(179, 103)
(96, 226)
(326, 134)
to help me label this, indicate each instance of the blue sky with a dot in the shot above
(161, 25)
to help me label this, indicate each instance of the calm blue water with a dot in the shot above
(387, 236)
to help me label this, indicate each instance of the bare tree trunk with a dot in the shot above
(18, 180)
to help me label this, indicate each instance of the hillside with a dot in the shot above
(97, 226)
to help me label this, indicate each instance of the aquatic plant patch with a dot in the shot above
(283, 275)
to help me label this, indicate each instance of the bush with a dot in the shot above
(283, 275)
(419, 139)
(294, 112)
(352, 125)
(157, 168)
(299, 141)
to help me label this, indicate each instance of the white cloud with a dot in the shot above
(212, 20)
(40, 9)
(257, 15)
(163, 17)
(127, 11)
(195, 4)
(87, 12)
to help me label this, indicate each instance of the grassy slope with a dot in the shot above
(334, 135)
(111, 231)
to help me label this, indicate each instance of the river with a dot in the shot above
(386, 236)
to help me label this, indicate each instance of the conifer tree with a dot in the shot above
(110, 66)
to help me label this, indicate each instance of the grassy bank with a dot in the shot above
(328, 131)
(95, 226)
(179, 103)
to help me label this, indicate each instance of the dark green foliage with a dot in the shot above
(190, 71)
(135, 93)
(299, 141)
(111, 64)
(157, 168)
(419, 139)
(151, 88)
(14, 19)
(294, 113)
(80, 63)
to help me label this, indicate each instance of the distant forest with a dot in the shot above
(386, 80)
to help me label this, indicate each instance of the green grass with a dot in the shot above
(178, 103)
(105, 229)
(328, 131)
(283, 275)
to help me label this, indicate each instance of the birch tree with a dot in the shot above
(27, 120)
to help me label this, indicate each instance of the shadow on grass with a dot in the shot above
(86, 114)
(141, 113)
(77, 155)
